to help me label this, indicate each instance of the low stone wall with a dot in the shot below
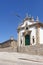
(35, 50)
(8, 49)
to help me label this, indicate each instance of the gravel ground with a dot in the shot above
(8, 58)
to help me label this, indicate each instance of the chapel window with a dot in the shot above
(33, 39)
(21, 41)
(26, 28)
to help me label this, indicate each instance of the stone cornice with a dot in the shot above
(35, 24)
(30, 19)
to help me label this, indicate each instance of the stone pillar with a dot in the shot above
(18, 44)
(37, 35)
(18, 40)
(23, 40)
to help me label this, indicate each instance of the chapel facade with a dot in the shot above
(30, 32)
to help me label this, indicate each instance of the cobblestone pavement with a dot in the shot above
(20, 59)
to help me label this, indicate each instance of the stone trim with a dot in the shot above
(37, 35)
(26, 32)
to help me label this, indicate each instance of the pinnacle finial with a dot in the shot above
(37, 18)
(32, 18)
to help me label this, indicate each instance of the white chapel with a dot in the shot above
(30, 32)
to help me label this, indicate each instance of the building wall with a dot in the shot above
(33, 33)
(20, 37)
(41, 35)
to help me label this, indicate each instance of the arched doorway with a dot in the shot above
(27, 39)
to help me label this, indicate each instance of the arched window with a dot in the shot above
(33, 39)
(26, 28)
(21, 41)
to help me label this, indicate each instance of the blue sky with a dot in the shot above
(8, 19)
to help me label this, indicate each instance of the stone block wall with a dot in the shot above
(34, 50)
(8, 49)
(9, 46)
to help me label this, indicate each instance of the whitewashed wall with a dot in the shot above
(33, 33)
(21, 37)
(41, 35)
